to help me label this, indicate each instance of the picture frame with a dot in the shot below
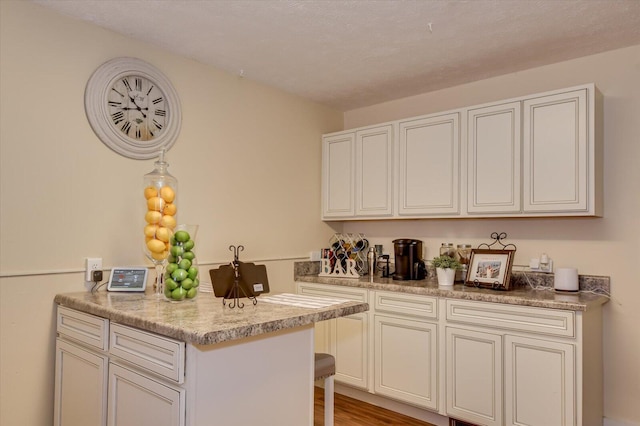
(490, 269)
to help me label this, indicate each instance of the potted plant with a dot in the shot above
(446, 267)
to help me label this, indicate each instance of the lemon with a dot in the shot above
(155, 203)
(153, 216)
(166, 221)
(167, 194)
(163, 233)
(150, 191)
(155, 246)
(150, 230)
(160, 256)
(170, 209)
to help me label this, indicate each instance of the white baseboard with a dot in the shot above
(612, 422)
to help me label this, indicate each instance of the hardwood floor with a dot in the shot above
(351, 412)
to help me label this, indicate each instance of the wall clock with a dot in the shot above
(133, 108)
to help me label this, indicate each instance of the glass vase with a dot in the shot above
(160, 189)
(181, 277)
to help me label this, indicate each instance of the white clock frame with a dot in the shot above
(99, 115)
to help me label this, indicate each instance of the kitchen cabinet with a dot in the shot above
(357, 170)
(338, 175)
(535, 155)
(531, 357)
(494, 139)
(346, 338)
(81, 377)
(112, 374)
(406, 348)
(429, 165)
(559, 148)
(474, 376)
(374, 171)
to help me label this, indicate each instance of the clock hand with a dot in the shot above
(137, 107)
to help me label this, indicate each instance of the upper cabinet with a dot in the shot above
(429, 165)
(537, 155)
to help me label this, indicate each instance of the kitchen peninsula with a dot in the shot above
(134, 359)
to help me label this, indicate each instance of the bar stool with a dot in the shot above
(325, 368)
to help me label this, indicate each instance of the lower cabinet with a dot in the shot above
(135, 399)
(488, 364)
(474, 376)
(80, 386)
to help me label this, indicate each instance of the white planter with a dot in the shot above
(446, 277)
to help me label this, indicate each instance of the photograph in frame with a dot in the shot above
(490, 268)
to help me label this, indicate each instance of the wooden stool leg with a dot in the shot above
(328, 401)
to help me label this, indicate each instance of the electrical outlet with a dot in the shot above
(92, 264)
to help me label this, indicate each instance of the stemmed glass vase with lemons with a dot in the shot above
(160, 189)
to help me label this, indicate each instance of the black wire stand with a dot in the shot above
(237, 292)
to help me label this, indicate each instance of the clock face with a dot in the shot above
(137, 108)
(133, 108)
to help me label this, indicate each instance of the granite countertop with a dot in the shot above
(543, 297)
(203, 320)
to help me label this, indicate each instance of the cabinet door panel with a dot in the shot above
(374, 155)
(138, 400)
(80, 386)
(338, 175)
(538, 374)
(409, 376)
(429, 165)
(474, 376)
(351, 344)
(494, 159)
(556, 152)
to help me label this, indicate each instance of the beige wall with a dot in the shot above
(602, 246)
(247, 161)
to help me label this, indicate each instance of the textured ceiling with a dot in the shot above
(350, 54)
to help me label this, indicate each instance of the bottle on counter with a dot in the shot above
(371, 262)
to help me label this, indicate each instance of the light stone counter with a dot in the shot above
(204, 320)
(543, 297)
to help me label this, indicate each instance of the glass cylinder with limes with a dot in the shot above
(160, 190)
(181, 279)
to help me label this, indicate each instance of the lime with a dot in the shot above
(177, 251)
(171, 267)
(192, 293)
(187, 283)
(196, 282)
(179, 293)
(193, 272)
(170, 284)
(182, 236)
(188, 246)
(184, 264)
(179, 275)
(189, 255)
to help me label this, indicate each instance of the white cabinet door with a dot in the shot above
(556, 153)
(405, 360)
(539, 373)
(494, 159)
(139, 400)
(351, 344)
(474, 376)
(374, 171)
(80, 386)
(429, 165)
(346, 338)
(338, 175)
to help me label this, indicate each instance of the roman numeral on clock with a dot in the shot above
(160, 113)
(126, 127)
(138, 84)
(117, 92)
(117, 117)
(150, 89)
(115, 104)
(158, 125)
(126, 84)
(158, 100)
(138, 133)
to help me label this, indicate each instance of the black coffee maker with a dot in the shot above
(409, 263)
